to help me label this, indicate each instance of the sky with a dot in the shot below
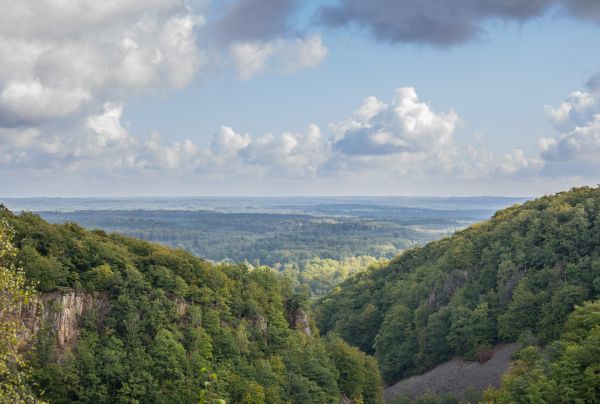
(290, 97)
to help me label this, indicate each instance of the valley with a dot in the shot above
(123, 319)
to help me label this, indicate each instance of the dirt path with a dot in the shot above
(456, 376)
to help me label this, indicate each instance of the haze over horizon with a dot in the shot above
(283, 97)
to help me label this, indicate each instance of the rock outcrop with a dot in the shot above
(300, 321)
(62, 312)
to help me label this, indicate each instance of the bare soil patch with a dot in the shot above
(456, 376)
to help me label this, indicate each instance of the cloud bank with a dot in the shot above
(401, 138)
(443, 23)
(67, 74)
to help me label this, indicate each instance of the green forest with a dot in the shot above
(180, 329)
(279, 238)
(516, 277)
(235, 340)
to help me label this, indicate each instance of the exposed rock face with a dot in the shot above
(62, 312)
(261, 324)
(300, 321)
(182, 307)
(346, 400)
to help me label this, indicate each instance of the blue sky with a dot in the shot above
(260, 97)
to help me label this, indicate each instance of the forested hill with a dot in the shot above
(515, 277)
(159, 325)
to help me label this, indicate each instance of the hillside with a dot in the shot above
(456, 378)
(565, 372)
(513, 278)
(124, 320)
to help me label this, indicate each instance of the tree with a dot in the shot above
(568, 370)
(396, 343)
(14, 294)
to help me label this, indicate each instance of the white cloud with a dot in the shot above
(577, 119)
(295, 154)
(279, 55)
(227, 142)
(66, 18)
(250, 57)
(32, 102)
(407, 125)
(515, 162)
(480, 163)
(582, 143)
(405, 135)
(72, 53)
(155, 155)
(108, 125)
(408, 138)
(303, 53)
(576, 110)
(405, 138)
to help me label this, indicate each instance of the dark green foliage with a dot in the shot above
(172, 319)
(357, 372)
(518, 275)
(568, 370)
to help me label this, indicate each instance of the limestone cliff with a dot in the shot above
(62, 311)
(301, 322)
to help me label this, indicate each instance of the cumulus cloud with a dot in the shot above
(154, 154)
(75, 53)
(442, 23)
(406, 137)
(577, 119)
(30, 102)
(226, 142)
(400, 138)
(576, 110)
(516, 162)
(582, 143)
(293, 154)
(406, 129)
(280, 55)
(480, 163)
(108, 125)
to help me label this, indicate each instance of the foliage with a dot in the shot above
(320, 275)
(357, 372)
(170, 316)
(516, 276)
(14, 294)
(337, 232)
(567, 372)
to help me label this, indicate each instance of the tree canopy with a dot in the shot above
(172, 318)
(514, 277)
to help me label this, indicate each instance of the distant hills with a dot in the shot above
(273, 231)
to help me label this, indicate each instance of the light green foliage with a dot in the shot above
(169, 316)
(14, 294)
(320, 275)
(519, 274)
